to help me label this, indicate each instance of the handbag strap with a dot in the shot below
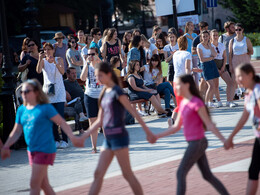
(88, 75)
(55, 71)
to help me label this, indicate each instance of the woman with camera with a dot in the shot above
(53, 69)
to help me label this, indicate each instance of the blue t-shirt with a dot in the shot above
(95, 45)
(190, 41)
(114, 114)
(37, 127)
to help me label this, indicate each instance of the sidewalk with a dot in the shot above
(161, 179)
(155, 165)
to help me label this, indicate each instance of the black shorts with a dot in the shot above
(91, 105)
(254, 168)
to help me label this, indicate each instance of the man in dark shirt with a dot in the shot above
(74, 89)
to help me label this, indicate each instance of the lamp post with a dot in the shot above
(32, 28)
(7, 95)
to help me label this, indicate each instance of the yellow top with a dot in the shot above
(118, 73)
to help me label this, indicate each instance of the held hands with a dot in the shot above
(151, 138)
(5, 153)
(77, 141)
(228, 144)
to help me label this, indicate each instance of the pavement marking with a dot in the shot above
(238, 166)
(140, 167)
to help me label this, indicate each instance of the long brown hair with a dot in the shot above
(110, 34)
(106, 68)
(131, 67)
(187, 78)
(41, 98)
(155, 57)
(25, 43)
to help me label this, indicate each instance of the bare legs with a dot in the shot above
(94, 135)
(252, 186)
(157, 104)
(230, 91)
(106, 157)
(210, 91)
(39, 180)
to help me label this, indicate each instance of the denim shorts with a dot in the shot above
(41, 158)
(91, 105)
(116, 143)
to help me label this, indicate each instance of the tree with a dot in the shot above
(246, 12)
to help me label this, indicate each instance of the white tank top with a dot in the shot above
(51, 74)
(239, 47)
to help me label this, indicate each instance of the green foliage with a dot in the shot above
(254, 38)
(246, 12)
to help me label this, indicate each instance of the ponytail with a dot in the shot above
(106, 68)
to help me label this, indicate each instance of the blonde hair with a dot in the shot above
(187, 26)
(41, 98)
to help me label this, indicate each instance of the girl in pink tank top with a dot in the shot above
(194, 116)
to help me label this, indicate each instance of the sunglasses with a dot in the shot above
(73, 42)
(26, 91)
(91, 54)
(217, 49)
(31, 45)
(239, 29)
(99, 34)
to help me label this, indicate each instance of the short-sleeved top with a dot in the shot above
(150, 77)
(253, 108)
(206, 52)
(37, 127)
(95, 45)
(51, 74)
(225, 40)
(61, 52)
(221, 49)
(114, 114)
(74, 89)
(190, 40)
(84, 51)
(76, 55)
(112, 50)
(149, 51)
(179, 59)
(196, 41)
(93, 88)
(152, 40)
(168, 48)
(193, 129)
(240, 47)
(32, 74)
(138, 82)
(80, 46)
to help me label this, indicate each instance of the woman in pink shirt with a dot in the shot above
(192, 107)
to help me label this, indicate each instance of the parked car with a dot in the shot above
(64, 29)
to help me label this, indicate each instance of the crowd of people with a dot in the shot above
(194, 64)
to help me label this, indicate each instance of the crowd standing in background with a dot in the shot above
(184, 71)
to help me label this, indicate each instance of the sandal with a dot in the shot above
(94, 151)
